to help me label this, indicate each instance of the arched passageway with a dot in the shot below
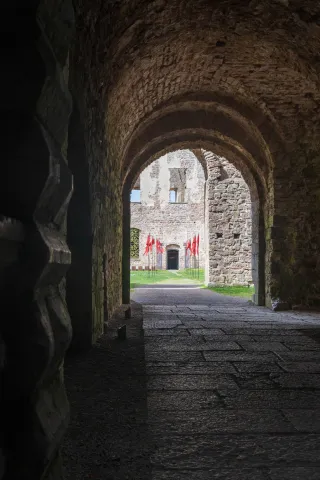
(213, 201)
(209, 160)
(240, 79)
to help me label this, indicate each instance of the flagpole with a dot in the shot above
(193, 260)
(152, 257)
(155, 259)
(198, 250)
(191, 256)
(198, 256)
(186, 253)
(149, 256)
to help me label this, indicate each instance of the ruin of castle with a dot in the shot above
(184, 194)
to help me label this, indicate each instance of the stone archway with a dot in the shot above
(245, 86)
(257, 194)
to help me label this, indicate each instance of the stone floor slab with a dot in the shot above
(183, 400)
(191, 382)
(173, 341)
(195, 343)
(228, 338)
(307, 421)
(282, 399)
(292, 338)
(159, 323)
(209, 332)
(170, 356)
(239, 356)
(219, 420)
(181, 452)
(302, 346)
(258, 331)
(263, 346)
(300, 367)
(193, 324)
(254, 381)
(253, 367)
(295, 473)
(217, 473)
(297, 380)
(301, 356)
(191, 368)
(154, 332)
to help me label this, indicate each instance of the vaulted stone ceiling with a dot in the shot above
(257, 59)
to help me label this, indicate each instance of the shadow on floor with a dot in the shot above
(108, 436)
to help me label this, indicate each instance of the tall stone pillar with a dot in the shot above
(293, 232)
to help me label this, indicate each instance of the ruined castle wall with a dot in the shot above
(229, 224)
(172, 223)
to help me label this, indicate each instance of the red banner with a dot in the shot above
(159, 248)
(194, 246)
(148, 245)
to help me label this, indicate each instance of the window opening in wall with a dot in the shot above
(219, 235)
(177, 184)
(173, 195)
(135, 196)
(236, 235)
(134, 242)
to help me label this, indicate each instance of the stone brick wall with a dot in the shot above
(229, 224)
(172, 223)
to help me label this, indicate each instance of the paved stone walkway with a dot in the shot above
(215, 389)
(233, 390)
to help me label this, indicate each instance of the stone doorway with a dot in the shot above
(172, 260)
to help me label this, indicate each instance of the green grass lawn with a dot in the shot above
(197, 275)
(234, 291)
(140, 277)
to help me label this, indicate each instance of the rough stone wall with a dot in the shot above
(229, 224)
(104, 174)
(172, 223)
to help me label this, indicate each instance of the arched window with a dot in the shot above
(134, 242)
